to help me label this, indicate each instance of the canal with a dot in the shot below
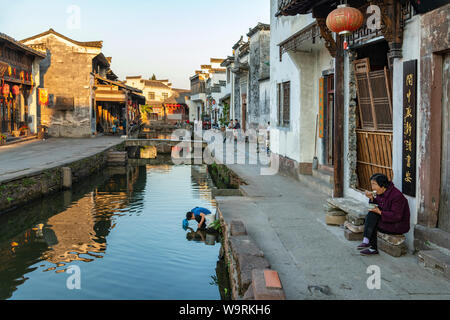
(123, 229)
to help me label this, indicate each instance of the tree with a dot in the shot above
(153, 77)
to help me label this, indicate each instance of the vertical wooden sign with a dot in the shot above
(321, 106)
(409, 127)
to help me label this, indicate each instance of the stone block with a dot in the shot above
(356, 221)
(261, 291)
(336, 212)
(237, 228)
(436, 260)
(334, 220)
(392, 239)
(247, 257)
(392, 250)
(351, 206)
(351, 236)
(67, 177)
(353, 228)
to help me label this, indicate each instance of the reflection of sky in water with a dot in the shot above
(124, 233)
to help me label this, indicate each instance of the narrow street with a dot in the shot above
(287, 220)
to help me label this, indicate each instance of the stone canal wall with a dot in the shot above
(19, 191)
(248, 269)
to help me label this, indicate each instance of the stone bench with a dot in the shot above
(393, 245)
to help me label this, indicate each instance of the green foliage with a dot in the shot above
(217, 226)
(153, 77)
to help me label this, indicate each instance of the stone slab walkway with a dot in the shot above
(30, 157)
(287, 221)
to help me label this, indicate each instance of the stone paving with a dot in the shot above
(29, 157)
(286, 218)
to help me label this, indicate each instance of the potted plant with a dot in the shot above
(24, 130)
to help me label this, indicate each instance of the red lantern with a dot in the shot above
(15, 90)
(344, 20)
(5, 90)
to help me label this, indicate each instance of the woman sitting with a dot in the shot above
(390, 215)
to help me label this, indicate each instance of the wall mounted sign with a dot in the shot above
(409, 127)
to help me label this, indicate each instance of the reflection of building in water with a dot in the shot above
(70, 230)
(148, 152)
(200, 180)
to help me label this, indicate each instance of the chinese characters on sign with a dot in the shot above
(409, 127)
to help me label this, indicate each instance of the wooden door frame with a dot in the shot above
(430, 164)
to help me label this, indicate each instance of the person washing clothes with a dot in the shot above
(202, 215)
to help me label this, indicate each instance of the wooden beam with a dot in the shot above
(338, 154)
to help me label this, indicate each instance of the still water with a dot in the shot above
(122, 228)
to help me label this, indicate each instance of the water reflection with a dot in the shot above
(121, 226)
(68, 226)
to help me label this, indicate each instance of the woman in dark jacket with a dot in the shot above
(390, 216)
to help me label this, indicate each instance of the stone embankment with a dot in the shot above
(23, 189)
(249, 271)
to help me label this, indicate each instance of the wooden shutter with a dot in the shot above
(381, 97)
(374, 96)
(279, 103)
(286, 102)
(362, 69)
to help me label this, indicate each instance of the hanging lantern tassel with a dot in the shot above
(345, 43)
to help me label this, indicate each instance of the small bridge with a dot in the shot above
(164, 146)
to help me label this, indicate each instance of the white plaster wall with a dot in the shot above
(285, 141)
(411, 50)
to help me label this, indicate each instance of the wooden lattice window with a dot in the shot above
(284, 103)
(374, 97)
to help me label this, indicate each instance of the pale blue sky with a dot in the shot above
(170, 38)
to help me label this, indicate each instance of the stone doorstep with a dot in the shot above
(355, 229)
(260, 289)
(392, 250)
(436, 260)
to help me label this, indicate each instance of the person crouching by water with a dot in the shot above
(202, 215)
(390, 213)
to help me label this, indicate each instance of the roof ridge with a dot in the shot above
(94, 44)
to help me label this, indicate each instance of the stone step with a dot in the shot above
(324, 176)
(266, 285)
(317, 184)
(435, 260)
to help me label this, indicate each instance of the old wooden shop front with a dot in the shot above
(17, 106)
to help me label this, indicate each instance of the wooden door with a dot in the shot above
(244, 112)
(444, 212)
